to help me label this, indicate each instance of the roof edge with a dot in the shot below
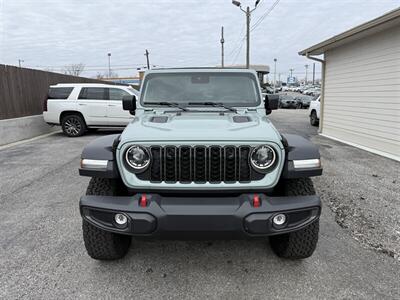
(321, 47)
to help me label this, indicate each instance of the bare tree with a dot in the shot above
(74, 69)
(100, 76)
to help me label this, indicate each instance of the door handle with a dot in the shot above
(82, 104)
(112, 105)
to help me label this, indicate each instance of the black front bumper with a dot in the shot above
(230, 216)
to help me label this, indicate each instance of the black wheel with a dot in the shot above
(298, 106)
(313, 118)
(101, 244)
(302, 243)
(73, 125)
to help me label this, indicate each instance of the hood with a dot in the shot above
(200, 126)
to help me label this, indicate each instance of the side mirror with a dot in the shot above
(271, 103)
(129, 103)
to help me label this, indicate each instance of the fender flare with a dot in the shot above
(102, 148)
(299, 148)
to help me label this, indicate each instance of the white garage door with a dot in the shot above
(362, 93)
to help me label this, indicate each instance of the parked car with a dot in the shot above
(303, 101)
(314, 111)
(287, 101)
(84, 106)
(201, 159)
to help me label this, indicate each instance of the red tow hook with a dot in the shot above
(143, 200)
(256, 201)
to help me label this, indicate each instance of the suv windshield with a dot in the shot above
(232, 89)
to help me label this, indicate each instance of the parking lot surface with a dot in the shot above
(43, 256)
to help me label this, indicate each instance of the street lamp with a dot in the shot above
(274, 73)
(109, 65)
(248, 15)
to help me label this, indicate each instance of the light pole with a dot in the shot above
(306, 66)
(109, 65)
(20, 61)
(222, 46)
(248, 12)
(275, 73)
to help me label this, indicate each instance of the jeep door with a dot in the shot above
(116, 116)
(93, 104)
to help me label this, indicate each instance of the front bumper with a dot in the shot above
(231, 216)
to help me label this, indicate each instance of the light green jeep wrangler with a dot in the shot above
(200, 159)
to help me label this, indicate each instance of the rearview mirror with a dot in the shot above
(271, 103)
(129, 103)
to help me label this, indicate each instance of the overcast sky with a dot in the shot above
(55, 33)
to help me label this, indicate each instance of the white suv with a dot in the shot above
(79, 107)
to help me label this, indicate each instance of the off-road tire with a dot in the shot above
(73, 125)
(313, 118)
(100, 244)
(302, 243)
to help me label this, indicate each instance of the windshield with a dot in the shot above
(233, 89)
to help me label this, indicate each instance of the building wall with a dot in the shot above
(362, 93)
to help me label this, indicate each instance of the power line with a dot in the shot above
(261, 19)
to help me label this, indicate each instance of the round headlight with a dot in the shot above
(137, 157)
(262, 157)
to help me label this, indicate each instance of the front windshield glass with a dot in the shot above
(233, 89)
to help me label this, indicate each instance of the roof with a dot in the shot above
(200, 70)
(257, 68)
(88, 85)
(388, 20)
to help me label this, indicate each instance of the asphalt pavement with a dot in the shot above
(43, 256)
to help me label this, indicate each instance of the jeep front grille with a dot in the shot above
(200, 164)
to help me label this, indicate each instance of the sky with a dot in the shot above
(50, 34)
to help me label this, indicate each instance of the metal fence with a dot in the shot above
(22, 91)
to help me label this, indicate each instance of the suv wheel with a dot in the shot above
(302, 243)
(313, 118)
(73, 125)
(100, 244)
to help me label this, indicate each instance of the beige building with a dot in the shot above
(360, 101)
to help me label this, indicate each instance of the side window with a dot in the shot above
(59, 93)
(117, 94)
(93, 93)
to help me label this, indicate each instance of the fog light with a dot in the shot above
(120, 219)
(279, 219)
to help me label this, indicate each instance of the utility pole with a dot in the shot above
(248, 12)
(222, 46)
(275, 73)
(291, 72)
(147, 58)
(306, 66)
(19, 62)
(109, 64)
(313, 73)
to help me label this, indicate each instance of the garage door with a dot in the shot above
(362, 93)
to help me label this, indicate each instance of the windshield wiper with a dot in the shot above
(170, 104)
(214, 104)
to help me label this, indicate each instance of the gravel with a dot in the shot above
(361, 188)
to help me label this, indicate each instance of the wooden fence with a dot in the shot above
(22, 91)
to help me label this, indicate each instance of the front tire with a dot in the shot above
(100, 244)
(302, 243)
(73, 125)
(313, 119)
